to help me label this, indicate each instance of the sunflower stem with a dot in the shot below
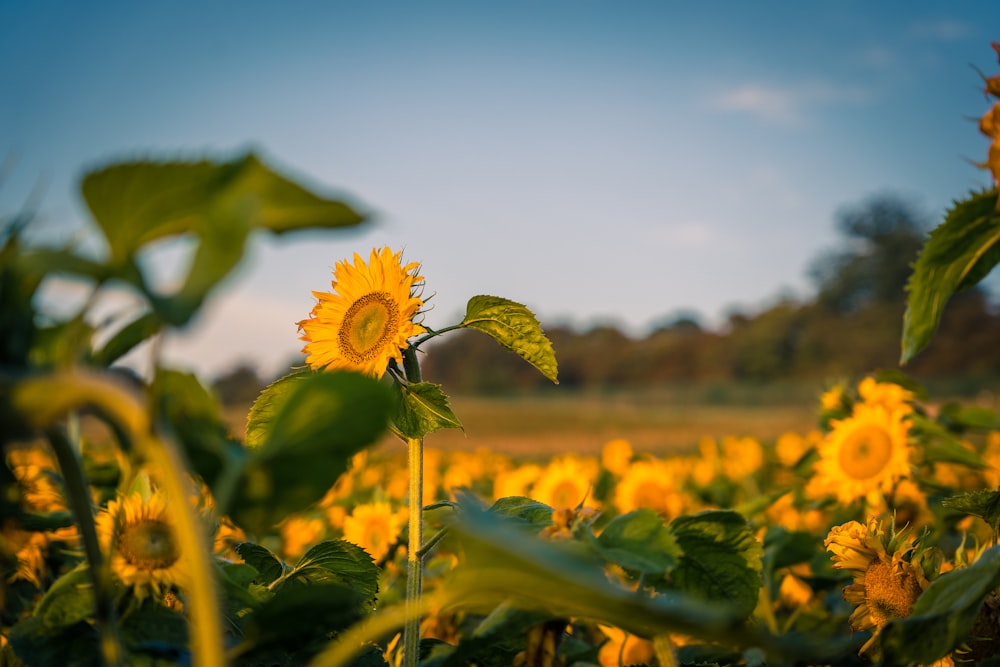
(78, 495)
(414, 556)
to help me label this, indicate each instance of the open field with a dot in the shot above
(540, 427)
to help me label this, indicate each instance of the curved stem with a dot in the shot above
(78, 495)
(435, 332)
(46, 398)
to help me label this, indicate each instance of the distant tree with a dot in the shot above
(240, 386)
(882, 238)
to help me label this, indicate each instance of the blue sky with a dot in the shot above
(598, 161)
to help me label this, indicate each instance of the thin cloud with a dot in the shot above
(944, 30)
(688, 234)
(784, 105)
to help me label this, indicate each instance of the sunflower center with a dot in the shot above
(369, 324)
(566, 494)
(148, 545)
(890, 592)
(865, 452)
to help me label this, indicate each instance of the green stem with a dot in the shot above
(414, 557)
(78, 495)
(436, 332)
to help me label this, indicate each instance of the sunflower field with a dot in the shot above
(139, 529)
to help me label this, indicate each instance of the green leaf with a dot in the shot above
(639, 542)
(72, 646)
(135, 203)
(721, 560)
(784, 548)
(314, 425)
(984, 504)
(155, 627)
(960, 418)
(943, 615)
(69, 600)
(941, 445)
(263, 560)
(422, 408)
(337, 561)
(127, 338)
(960, 252)
(519, 508)
(193, 414)
(515, 328)
(297, 618)
(260, 419)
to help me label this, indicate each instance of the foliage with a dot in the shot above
(138, 530)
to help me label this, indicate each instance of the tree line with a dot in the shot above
(850, 326)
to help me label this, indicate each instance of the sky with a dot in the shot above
(598, 161)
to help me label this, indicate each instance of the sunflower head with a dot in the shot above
(863, 456)
(139, 537)
(889, 395)
(367, 320)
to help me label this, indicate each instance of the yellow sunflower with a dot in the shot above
(885, 565)
(887, 394)
(565, 483)
(650, 484)
(368, 319)
(616, 455)
(374, 527)
(138, 535)
(864, 455)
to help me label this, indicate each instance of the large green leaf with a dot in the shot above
(943, 615)
(721, 560)
(316, 422)
(263, 560)
(983, 503)
(194, 416)
(640, 542)
(69, 600)
(515, 328)
(337, 561)
(140, 329)
(422, 408)
(260, 419)
(960, 252)
(220, 203)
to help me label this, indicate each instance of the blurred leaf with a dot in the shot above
(72, 646)
(943, 615)
(423, 408)
(960, 252)
(69, 600)
(941, 446)
(263, 560)
(984, 504)
(639, 542)
(195, 418)
(127, 338)
(340, 562)
(721, 560)
(531, 512)
(135, 203)
(515, 328)
(309, 431)
(960, 418)
(260, 419)
(154, 628)
(784, 548)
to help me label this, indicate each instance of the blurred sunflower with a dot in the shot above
(515, 482)
(864, 455)
(616, 455)
(650, 484)
(887, 394)
(622, 648)
(566, 482)
(368, 318)
(885, 565)
(374, 527)
(741, 457)
(138, 535)
(298, 533)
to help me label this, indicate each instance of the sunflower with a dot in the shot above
(864, 455)
(138, 534)
(887, 394)
(368, 319)
(374, 527)
(565, 483)
(616, 455)
(650, 484)
(887, 572)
